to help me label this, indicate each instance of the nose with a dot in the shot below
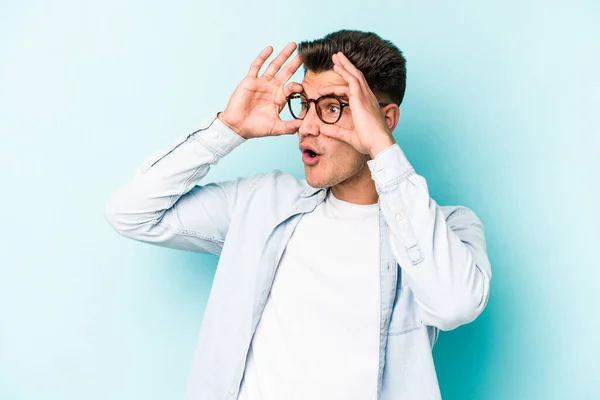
(310, 124)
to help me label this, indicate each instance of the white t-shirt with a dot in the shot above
(318, 337)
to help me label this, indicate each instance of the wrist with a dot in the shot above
(380, 146)
(222, 116)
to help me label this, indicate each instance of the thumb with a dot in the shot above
(336, 132)
(292, 87)
(286, 127)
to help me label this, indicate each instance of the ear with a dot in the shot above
(391, 112)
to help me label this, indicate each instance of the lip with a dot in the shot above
(304, 147)
(306, 159)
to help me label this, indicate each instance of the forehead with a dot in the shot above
(313, 82)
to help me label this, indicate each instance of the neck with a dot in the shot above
(359, 189)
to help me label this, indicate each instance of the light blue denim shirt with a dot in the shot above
(434, 270)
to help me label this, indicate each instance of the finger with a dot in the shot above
(289, 69)
(292, 87)
(353, 82)
(260, 60)
(347, 64)
(286, 127)
(343, 61)
(336, 132)
(280, 59)
(343, 91)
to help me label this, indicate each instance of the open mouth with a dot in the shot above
(310, 157)
(310, 153)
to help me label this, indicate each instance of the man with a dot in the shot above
(333, 287)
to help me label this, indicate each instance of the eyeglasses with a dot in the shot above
(329, 107)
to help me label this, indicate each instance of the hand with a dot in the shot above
(371, 133)
(254, 107)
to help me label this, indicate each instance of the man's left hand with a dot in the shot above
(371, 133)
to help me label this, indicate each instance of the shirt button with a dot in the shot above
(399, 217)
(381, 174)
(295, 207)
(216, 135)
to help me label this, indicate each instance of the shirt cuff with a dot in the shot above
(390, 167)
(217, 136)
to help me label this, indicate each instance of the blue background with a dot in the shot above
(500, 115)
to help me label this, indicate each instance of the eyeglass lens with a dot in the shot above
(329, 109)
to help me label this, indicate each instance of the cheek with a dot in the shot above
(346, 120)
(342, 156)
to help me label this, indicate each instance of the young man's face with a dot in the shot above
(337, 161)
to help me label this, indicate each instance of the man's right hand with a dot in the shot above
(254, 107)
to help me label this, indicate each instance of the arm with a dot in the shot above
(162, 205)
(443, 258)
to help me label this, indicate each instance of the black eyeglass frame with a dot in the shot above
(329, 96)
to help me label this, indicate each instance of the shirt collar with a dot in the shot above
(311, 191)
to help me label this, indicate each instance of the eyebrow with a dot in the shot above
(345, 98)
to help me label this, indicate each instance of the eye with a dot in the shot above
(333, 108)
(304, 105)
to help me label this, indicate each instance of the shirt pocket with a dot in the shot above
(405, 317)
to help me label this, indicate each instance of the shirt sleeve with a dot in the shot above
(443, 257)
(162, 204)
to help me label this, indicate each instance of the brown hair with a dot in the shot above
(380, 61)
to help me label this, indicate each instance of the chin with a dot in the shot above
(320, 181)
(315, 183)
